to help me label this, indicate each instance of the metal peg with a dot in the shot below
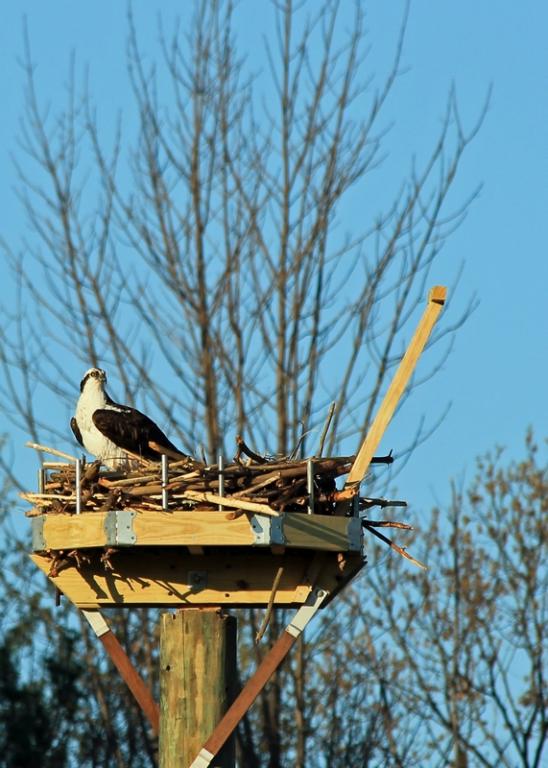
(165, 479)
(221, 462)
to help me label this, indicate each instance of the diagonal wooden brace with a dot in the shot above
(123, 664)
(436, 300)
(257, 682)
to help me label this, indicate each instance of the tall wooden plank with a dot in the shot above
(197, 682)
(436, 300)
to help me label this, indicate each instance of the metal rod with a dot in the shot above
(221, 478)
(310, 484)
(78, 468)
(41, 480)
(165, 478)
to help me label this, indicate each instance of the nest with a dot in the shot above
(251, 483)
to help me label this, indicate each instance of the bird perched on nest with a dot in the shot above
(108, 430)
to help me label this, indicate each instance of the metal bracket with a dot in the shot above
(355, 534)
(119, 528)
(277, 535)
(260, 525)
(306, 612)
(268, 530)
(37, 529)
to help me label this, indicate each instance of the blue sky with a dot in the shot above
(495, 377)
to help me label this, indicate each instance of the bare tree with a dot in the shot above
(204, 265)
(470, 638)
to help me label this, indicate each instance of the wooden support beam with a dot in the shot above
(123, 664)
(436, 300)
(197, 681)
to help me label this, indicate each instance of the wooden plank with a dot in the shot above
(152, 528)
(320, 532)
(203, 528)
(193, 529)
(172, 577)
(197, 682)
(436, 300)
(334, 578)
(75, 531)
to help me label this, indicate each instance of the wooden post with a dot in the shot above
(214, 745)
(123, 664)
(436, 301)
(197, 682)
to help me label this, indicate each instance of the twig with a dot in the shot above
(34, 497)
(227, 501)
(395, 547)
(246, 450)
(366, 502)
(52, 451)
(270, 606)
(326, 426)
(256, 486)
(169, 453)
(387, 524)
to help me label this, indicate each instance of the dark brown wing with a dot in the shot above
(76, 430)
(131, 430)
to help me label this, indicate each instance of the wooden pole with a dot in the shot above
(123, 664)
(270, 663)
(436, 301)
(197, 682)
(132, 678)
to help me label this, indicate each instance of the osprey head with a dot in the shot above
(95, 375)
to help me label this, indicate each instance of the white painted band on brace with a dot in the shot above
(96, 622)
(203, 760)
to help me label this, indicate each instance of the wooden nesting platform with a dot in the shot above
(255, 532)
(129, 558)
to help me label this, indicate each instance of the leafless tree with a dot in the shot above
(470, 637)
(204, 264)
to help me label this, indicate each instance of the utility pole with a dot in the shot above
(197, 683)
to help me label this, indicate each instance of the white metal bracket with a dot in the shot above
(306, 612)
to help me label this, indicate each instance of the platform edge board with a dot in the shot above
(134, 528)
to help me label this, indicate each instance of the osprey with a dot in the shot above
(107, 430)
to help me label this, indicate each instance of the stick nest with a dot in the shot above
(250, 483)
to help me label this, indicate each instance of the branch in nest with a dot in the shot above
(395, 547)
(246, 450)
(270, 606)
